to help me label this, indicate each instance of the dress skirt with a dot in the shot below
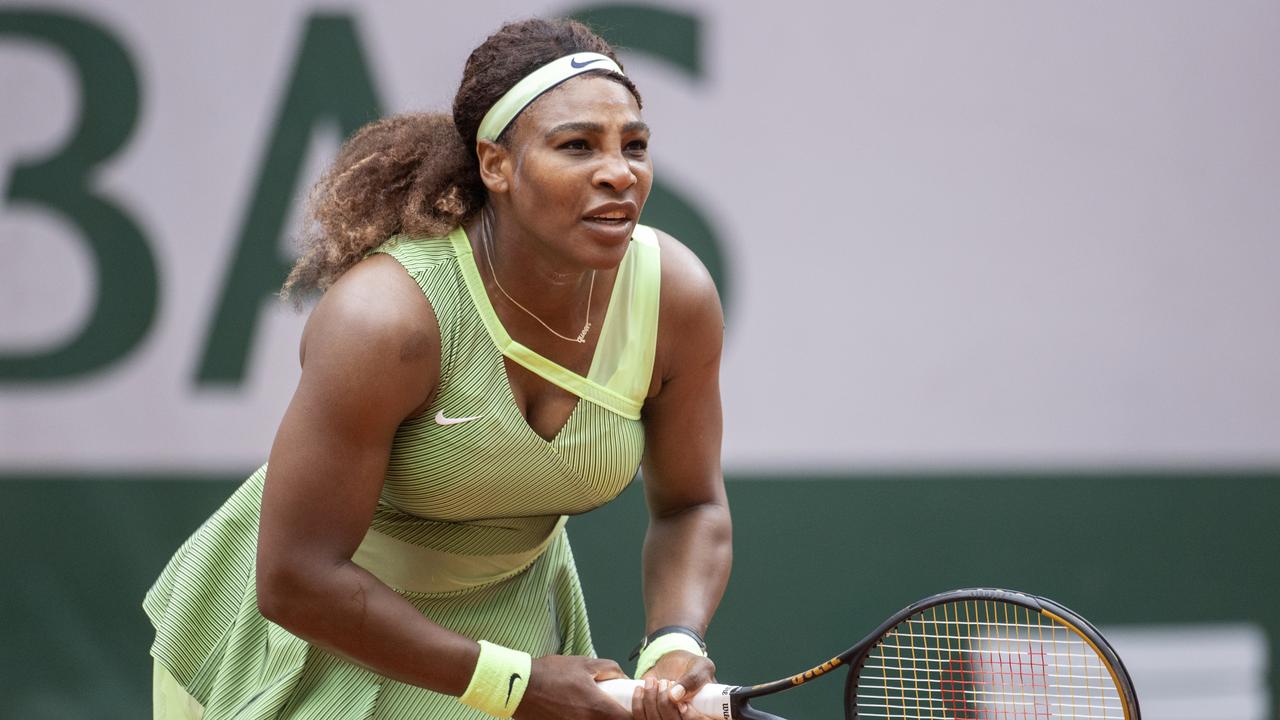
(212, 641)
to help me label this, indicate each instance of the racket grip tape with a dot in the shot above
(712, 700)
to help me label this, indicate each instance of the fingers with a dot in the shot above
(653, 701)
(653, 692)
(691, 673)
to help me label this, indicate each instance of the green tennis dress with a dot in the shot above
(469, 524)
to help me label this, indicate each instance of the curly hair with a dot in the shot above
(417, 173)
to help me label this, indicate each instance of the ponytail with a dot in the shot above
(409, 173)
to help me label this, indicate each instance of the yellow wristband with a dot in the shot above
(663, 645)
(500, 679)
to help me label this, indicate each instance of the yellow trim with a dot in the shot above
(587, 388)
(415, 568)
(1124, 700)
(169, 699)
(623, 360)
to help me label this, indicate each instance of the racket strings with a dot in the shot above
(985, 660)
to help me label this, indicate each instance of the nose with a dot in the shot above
(615, 173)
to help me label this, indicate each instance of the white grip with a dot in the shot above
(712, 700)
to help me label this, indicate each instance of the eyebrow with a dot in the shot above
(590, 127)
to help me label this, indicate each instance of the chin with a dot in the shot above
(608, 245)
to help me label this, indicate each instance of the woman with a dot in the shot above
(508, 357)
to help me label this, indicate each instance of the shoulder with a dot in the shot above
(375, 300)
(374, 323)
(688, 293)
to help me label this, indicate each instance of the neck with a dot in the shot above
(520, 266)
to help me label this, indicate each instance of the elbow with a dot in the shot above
(716, 512)
(270, 591)
(282, 589)
(710, 521)
(721, 522)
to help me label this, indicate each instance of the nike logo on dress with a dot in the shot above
(442, 420)
(574, 62)
(511, 685)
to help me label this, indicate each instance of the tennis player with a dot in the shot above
(499, 345)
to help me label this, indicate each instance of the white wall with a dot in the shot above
(959, 234)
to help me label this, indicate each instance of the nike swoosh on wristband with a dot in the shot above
(574, 62)
(442, 420)
(511, 685)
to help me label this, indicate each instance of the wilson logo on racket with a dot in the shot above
(815, 672)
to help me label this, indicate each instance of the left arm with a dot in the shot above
(688, 548)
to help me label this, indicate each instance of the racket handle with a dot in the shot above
(712, 700)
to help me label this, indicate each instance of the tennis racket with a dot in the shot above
(974, 654)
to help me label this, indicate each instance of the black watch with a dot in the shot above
(667, 630)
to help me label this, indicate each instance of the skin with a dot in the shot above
(370, 360)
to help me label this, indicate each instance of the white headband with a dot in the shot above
(536, 83)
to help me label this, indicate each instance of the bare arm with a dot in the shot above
(370, 359)
(688, 549)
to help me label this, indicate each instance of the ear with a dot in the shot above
(495, 166)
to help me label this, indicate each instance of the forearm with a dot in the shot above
(347, 611)
(686, 561)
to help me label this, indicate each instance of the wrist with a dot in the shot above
(666, 640)
(499, 681)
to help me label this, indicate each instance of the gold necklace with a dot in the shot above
(486, 231)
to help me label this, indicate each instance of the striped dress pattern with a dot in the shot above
(470, 514)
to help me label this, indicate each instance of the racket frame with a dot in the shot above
(855, 656)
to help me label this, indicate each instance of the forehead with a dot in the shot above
(586, 98)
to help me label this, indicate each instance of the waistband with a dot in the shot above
(413, 568)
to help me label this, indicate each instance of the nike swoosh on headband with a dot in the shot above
(534, 84)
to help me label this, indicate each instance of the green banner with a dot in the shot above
(818, 562)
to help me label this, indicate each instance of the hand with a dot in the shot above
(677, 675)
(563, 687)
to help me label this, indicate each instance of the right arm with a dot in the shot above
(371, 353)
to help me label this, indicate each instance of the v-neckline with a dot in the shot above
(523, 420)
(519, 353)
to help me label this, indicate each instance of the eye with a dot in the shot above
(577, 145)
(638, 147)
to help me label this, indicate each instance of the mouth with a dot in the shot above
(615, 214)
(616, 220)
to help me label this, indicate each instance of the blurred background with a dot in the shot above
(1000, 279)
